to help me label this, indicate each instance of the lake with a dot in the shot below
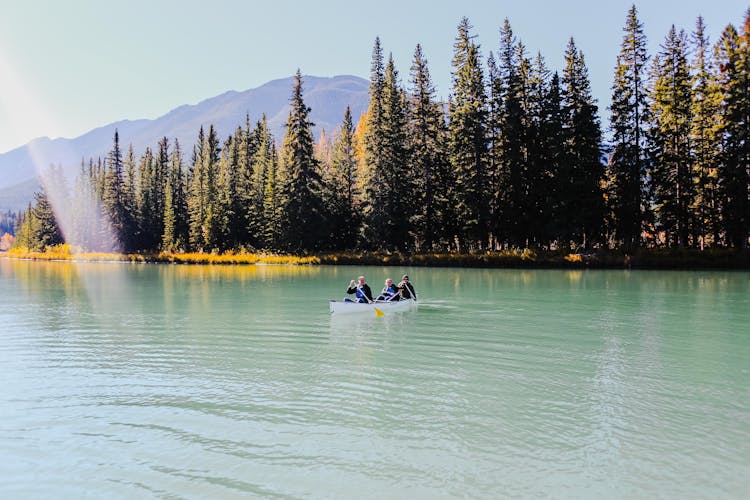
(166, 381)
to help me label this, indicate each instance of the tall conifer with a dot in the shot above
(468, 140)
(341, 188)
(672, 177)
(114, 199)
(628, 165)
(303, 221)
(428, 159)
(704, 136)
(582, 201)
(733, 55)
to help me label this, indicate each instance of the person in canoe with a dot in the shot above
(389, 293)
(361, 290)
(406, 289)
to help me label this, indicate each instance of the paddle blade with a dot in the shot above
(378, 312)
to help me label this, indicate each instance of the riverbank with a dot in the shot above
(606, 259)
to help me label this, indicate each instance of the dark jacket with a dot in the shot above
(365, 289)
(407, 291)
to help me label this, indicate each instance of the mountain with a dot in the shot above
(327, 98)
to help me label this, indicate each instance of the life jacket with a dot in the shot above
(391, 290)
(361, 293)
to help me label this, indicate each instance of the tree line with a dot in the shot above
(514, 159)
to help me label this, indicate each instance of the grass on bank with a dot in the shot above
(651, 258)
(66, 252)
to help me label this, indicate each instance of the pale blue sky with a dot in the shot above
(69, 66)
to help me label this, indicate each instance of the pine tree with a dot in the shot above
(582, 199)
(628, 165)
(158, 187)
(246, 147)
(705, 101)
(534, 106)
(494, 137)
(340, 187)
(670, 113)
(375, 194)
(87, 220)
(114, 199)
(202, 202)
(228, 209)
(24, 229)
(146, 202)
(175, 235)
(130, 206)
(551, 160)
(468, 141)
(733, 55)
(303, 220)
(271, 231)
(44, 230)
(507, 143)
(427, 135)
(398, 204)
(264, 202)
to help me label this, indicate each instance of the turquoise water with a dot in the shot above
(165, 381)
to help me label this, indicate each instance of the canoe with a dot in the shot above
(341, 307)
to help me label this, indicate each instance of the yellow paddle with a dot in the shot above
(378, 312)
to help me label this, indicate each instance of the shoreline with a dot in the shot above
(651, 258)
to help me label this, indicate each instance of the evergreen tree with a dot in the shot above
(468, 141)
(551, 161)
(427, 135)
(628, 165)
(158, 187)
(229, 210)
(146, 202)
(398, 189)
(202, 202)
(733, 55)
(264, 205)
(706, 97)
(44, 230)
(24, 229)
(271, 235)
(130, 206)
(535, 77)
(672, 177)
(340, 187)
(175, 235)
(85, 207)
(507, 143)
(114, 199)
(302, 216)
(372, 172)
(582, 199)
(494, 138)
(244, 173)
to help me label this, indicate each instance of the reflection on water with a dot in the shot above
(224, 381)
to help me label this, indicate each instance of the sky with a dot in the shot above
(68, 67)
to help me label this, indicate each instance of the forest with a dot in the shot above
(516, 158)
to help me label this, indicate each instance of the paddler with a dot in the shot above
(360, 289)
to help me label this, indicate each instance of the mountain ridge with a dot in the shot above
(326, 96)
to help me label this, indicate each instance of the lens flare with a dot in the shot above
(26, 113)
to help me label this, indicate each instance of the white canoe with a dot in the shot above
(341, 307)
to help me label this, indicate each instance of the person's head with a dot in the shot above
(405, 277)
(361, 280)
(388, 282)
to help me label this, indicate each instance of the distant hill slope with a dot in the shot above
(327, 98)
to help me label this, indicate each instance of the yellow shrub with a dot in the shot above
(574, 257)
